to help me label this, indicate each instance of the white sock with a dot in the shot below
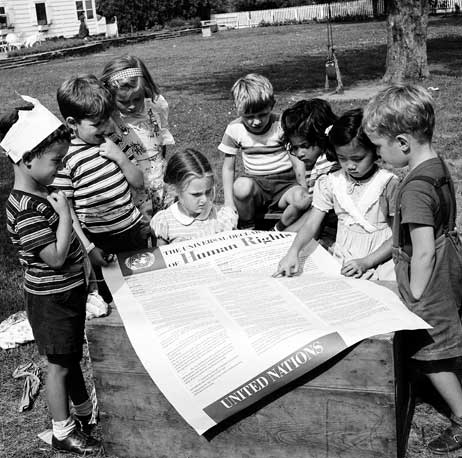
(62, 429)
(84, 409)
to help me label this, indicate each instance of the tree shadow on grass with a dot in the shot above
(306, 73)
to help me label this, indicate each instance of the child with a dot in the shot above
(426, 249)
(193, 214)
(39, 224)
(143, 109)
(271, 175)
(361, 194)
(96, 175)
(304, 125)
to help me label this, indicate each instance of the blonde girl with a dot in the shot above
(193, 214)
(142, 118)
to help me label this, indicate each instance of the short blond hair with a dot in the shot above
(252, 93)
(401, 109)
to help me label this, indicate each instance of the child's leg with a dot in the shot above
(448, 386)
(245, 192)
(57, 391)
(295, 201)
(65, 435)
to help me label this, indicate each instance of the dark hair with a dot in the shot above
(85, 97)
(309, 120)
(185, 165)
(61, 134)
(123, 63)
(348, 128)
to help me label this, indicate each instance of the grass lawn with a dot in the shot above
(195, 75)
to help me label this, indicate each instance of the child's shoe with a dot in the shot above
(450, 439)
(77, 442)
(83, 423)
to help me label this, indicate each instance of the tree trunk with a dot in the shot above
(407, 40)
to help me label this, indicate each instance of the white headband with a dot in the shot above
(31, 128)
(127, 73)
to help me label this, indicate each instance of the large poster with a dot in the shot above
(217, 333)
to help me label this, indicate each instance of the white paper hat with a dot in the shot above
(31, 128)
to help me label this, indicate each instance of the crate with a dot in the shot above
(357, 405)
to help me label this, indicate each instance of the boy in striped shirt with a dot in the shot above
(273, 180)
(39, 224)
(97, 175)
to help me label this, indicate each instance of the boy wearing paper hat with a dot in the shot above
(39, 224)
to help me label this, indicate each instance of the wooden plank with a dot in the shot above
(137, 421)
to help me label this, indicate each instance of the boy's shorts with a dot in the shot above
(58, 320)
(128, 240)
(270, 189)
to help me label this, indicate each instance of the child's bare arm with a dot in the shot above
(423, 257)
(289, 264)
(228, 180)
(357, 267)
(132, 173)
(300, 170)
(55, 254)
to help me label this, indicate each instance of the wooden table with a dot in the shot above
(357, 405)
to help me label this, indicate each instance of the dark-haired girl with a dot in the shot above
(362, 195)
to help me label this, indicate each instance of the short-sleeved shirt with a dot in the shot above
(420, 203)
(99, 190)
(322, 166)
(262, 154)
(31, 224)
(175, 226)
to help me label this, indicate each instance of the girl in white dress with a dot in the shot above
(362, 195)
(194, 214)
(142, 118)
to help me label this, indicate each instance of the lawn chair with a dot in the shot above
(14, 40)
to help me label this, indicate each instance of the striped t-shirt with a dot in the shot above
(262, 154)
(31, 224)
(99, 190)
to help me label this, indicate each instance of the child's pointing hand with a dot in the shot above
(111, 151)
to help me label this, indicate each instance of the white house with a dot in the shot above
(48, 17)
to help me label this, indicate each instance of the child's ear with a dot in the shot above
(404, 143)
(71, 123)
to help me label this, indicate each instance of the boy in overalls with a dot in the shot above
(426, 249)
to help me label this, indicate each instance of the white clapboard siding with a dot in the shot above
(61, 14)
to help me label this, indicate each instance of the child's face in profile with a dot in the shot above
(389, 150)
(355, 160)
(43, 168)
(301, 148)
(130, 102)
(257, 122)
(92, 131)
(197, 196)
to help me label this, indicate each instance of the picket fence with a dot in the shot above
(362, 8)
(318, 12)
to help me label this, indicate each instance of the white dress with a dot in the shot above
(151, 129)
(364, 211)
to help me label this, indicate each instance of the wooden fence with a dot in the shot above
(362, 8)
(300, 13)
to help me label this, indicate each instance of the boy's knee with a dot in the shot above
(243, 188)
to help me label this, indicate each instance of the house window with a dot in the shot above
(85, 8)
(3, 17)
(41, 12)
